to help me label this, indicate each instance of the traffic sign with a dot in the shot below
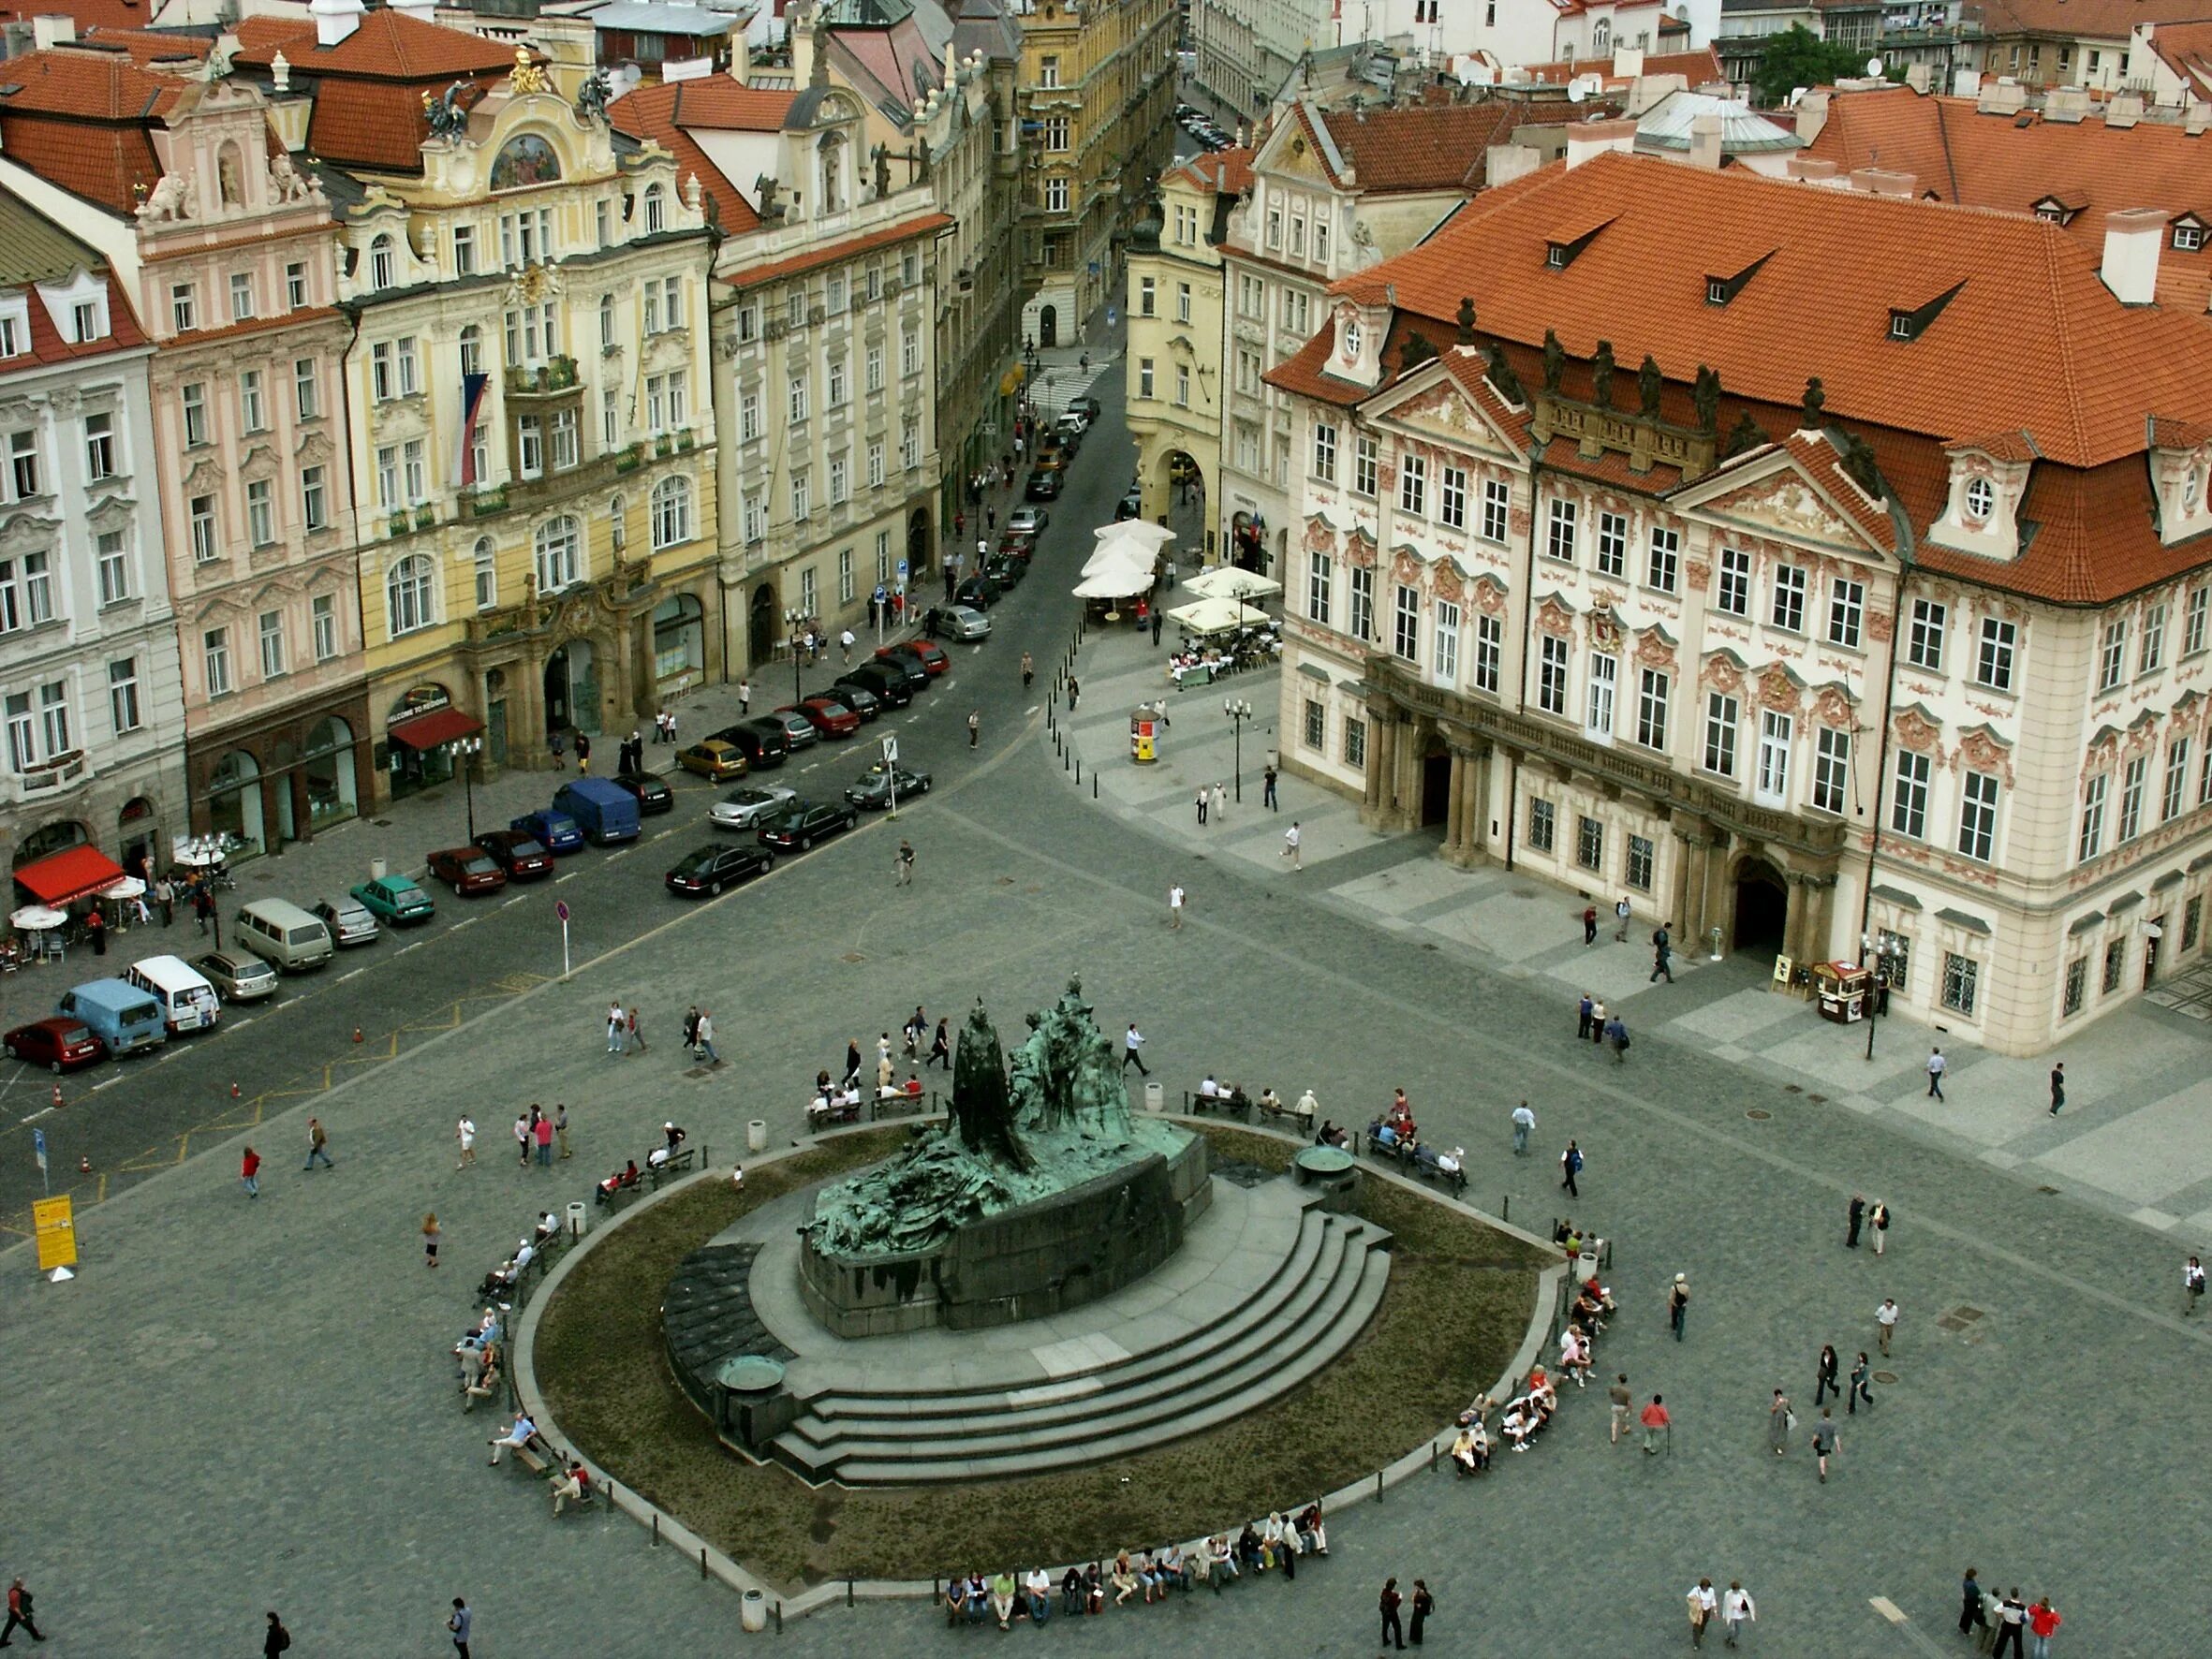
(891, 751)
(54, 1221)
(38, 1148)
(561, 908)
(902, 570)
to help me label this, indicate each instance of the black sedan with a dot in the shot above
(802, 823)
(1042, 486)
(651, 794)
(705, 870)
(888, 688)
(873, 792)
(1004, 570)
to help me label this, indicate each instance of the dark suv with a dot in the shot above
(887, 686)
(763, 746)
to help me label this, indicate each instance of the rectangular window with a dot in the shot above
(123, 695)
(1666, 550)
(2131, 787)
(1847, 613)
(2193, 626)
(1413, 486)
(193, 397)
(875, 464)
(909, 353)
(1559, 535)
(410, 377)
(1551, 675)
(380, 369)
(1637, 874)
(1960, 974)
(15, 333)
(1318, 571)
(1651, 709)
(839, 489)
(183, 307)
(306, 389)
(797, 398)
(1451, 498)
(1977, 816)
(2176, 785)
(114, 567)
(749, 417)
(99, 446)
(1720, 734)
(413, 464)
(529, 447)
(1909, 800)
(1364, 463)
(845, 575)
(2192, 920)
(1048, 70)
(1144, 372)
(2092, 836)
(215, 654)
(1362, 583)
(1183, 386)
(271, 645)
(252, 409)
(1146, 292)
(806, 602)
(1544, 825)
(874, 368)
(1496, 498)
(1923, 641)
(1355, 742)
(1444, 663)
(1788, 606)
(241, 296)
(260, 513)
(2152, 654)
(1316, 730)
(2112, 661)
(2205, 779)
(1406, 624)
(487, 577)
(1735, 582)
(1774, 732)
(1613, 544)
(22, 735)
(1182, 302)
(1489, 653)
(2077, 986)
(324, 616)
(1604, 683)
(568, 440)
(1992, 667)
(1832, 768)
(2115, 965)
(53, 716)
(883, 552)
(1589, 843)
(202, 511)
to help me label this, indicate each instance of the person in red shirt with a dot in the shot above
(1656, 1422)
(2043, 1624)
(249, 1171)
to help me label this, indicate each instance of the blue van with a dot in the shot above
(118, 1013)
(605, 813)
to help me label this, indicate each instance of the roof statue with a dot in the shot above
(1816, 399)
(1554, 360)
(1467, 320)
(527, 76)
(448, 116)
(1602, 375)
(591, 97)
(1704, 394)
(1648, 384)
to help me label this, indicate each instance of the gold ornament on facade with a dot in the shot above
(527, 76)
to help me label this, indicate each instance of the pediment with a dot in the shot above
(26, 533)
(1780, 499)
(1432, 402)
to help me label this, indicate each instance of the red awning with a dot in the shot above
(429, 730)
(74, 874)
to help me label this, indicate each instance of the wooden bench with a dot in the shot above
(901, 1104)
(677, 1162)
(1194, 1102)
(1271, 1113)
(537, 1454)
(1426, 1164)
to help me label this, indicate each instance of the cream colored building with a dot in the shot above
(1172, 366)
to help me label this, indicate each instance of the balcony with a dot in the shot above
(552, 378)
(55, 772)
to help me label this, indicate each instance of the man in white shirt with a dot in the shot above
(1885, 1317)
(1620, 912)
(1175, 907)
(1130, 1043)
(1037, 1587)
(1938, 1066)
(1523, 1123)
(1736, 1611)
(1290, 840)
(1703, 1604)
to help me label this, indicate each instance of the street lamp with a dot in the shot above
(1238, 712)
(465, 751)
(796, 620)
(1877, 964)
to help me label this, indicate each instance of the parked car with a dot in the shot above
(395, 898)
(885, 685)
(745, 808)
(1018, 544)
(1073, 423)
(763, 742)
(240, 976)
(857, 698)
(348, 920)
(469, 870)
(714, 760)
(930, 655)
(1044, 485)
(60, 1043)
(1130, 506)
(707, 870)
(519, 855)
(649, 790)
(905, 664)
(555, 831)
(872, 791)
(605, 813)
(797, 729)
(829, 717)
(1006, 570)
(977, 593)
(122, 1015)
(961, 622)
(1088, 405)
(802, 823)
(291, 939)
(1029, 519)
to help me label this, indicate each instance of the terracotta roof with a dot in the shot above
(145, 46)
(836, 252)
(2078, 20)
(105, 14)
(2187, 50)
(81, 119)
(1695, 67)
(87, 87)
(716, 103)
(1430, 146)
(255, 325)
(34, 249)
(388, 46)
(1227, 172)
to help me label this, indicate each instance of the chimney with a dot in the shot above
(2006, 98)
(2198, 118)
(1919, 79)
(1599, 137)
(2123, 111)
(1815, 169)
(1875, 181)
(1812, 116)
(1965, 83)
(797, 19)
(2132, 240)
(53, 29)
(1627, 63)
(1704, 142)
(422, 11)
(334, 20)
(2066, 103)
(1504, 163)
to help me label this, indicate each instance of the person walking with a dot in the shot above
(1779, 1419)
(459, 1626)
(319, 1145)
(2058, 1087)
(940, 1047)
(1423, 1605)
(1662, 955)
(1201, 804)
(522, 1135)
(1938, 1066)
(2192, 1286)
(1616, 1038)
(1075, 693)
(1267, 798)
(1827, 1440)
(1678, 1304)
(1292, 837)
(1221, 815)
(2012, 1624)
(1390, 1603)
(706, 1039)
(1621, 914)
(19, 1612)
(1028, 670)
(845, 645)
(432, 1237)
(1618, 1397)
(634, 1032)
(1523, 1124)
(165, 895)
(1132, 1042)
(1175, 907)
(1861, 1386)
(1589, 925)
(974, 726)
(1885, 1317)
(1854, 1215)
(583, 754)
(1571, 1163)
(744, 698)
(1736, 1611)
(95, 926)
(902, 863)
(249, 1171)
(277, 1638)
(691, 1031)
(1877, 1220)
(1596, 1022)
(1703, 1604)
(2043, 1624)
(561, 1128)
(542, 1135)
(615, 1023)
(1584, 1011)
(1655, 1423)
(465, 1132)
(1824, 1372)
(1970, 1615)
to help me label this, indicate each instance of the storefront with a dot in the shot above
(679, 643)
(417, 752)
(264, 788)
(1247, 542)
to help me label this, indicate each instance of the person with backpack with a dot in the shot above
(1570, 1164)
(277, 1638)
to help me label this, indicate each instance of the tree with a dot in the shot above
(1798, 57)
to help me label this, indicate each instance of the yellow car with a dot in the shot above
(714, 761)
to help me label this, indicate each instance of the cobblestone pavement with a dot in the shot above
(247, 1403)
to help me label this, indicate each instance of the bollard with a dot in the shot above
(1379, 1486)
(1505, 1208)
(848, 1592)
(703, 1562)
(1063, 762)
(1094, 784)
(1079, 768)
(1432, 1457)
(657, 1529)
(779, 1618)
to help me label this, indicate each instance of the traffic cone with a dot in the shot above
(234, 1091)
(84, 1166)
(57, 1095)
(357, 1033)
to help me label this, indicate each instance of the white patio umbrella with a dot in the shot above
(1137, 533)
(123, 887)
(1227, 582)
(1217, 616)
(1116, 582)
(38, 917)
(1117, 559)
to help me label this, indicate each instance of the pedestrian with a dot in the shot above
(1267, 790)
(852, 1061)
(845, 644)
(1028, 670)
(1589, 924)
(1662, 955)
(1583, 1011)
(465, 1132)
(1780, 1420)
(635, 1033)
(203, 906)
(561, 1128)
(1736, 1611)
(1175, 907)
(913, 1028)
(1155, 627)
(583, 754)
(19, 1612)
(1133, 1040)
(1074, 691)
(542, 1132)
(1861, 1386)
(521, 1136)
(1571, 1163)
(1618, 1396)
(1938, 1066)
(2012, 1622)
(1854, 1215)
(673, 724)
(1423, 1605)
(1885, 1317)
(615, 1025)
(96, 927)
(1878, 1219)
(706, 1039)
(744, 698)
(1970, 1616)
(974, 726)
(319, 1145)
(165, 895)
(276, 1640)
(1292, 837)
(1678, 1304)
(885, 1073)
(1389, 1603)
(940, 1047)
(1524, 1121)
(459, 1625)
(1616, 1038)
(2058, 1087)
(1824, 1383)
(1621, 914)
(1703, 1604)
(906, 867)
(1201, 803)
(2192, 1286)
(1221, 817)
(1598, 1022)
(1826, 1440)
(1656, 1422)
(249, 1171)
(2043, 1624)
(691, 1030)
(431, 1235)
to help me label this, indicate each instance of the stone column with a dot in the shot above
(1455, 808)
(1378, 760)
(1690, 856)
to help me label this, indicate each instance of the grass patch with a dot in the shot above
(1456, 1307)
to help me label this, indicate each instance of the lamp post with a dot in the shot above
(1878, 963)
(465, 751)
(1238, 712)
(796, 620)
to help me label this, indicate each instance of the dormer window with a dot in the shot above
(2188, 235)
(1715, 291)
(1719, 290)
(1980, 500)
(1912, 324)
(1900, 325)
(1556, 255)
(1563, 250)
(383, 263)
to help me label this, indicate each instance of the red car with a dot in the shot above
(521, 855)
(930, 655)
(826, 715)
(468, 869)
(59, 1043)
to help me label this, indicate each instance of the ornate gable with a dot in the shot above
(1782, 502)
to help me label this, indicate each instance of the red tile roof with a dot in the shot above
(2187, 50)
(2079, 20)
(852, 247)
(87, 14)
(81, 119)
(146, 46)
(1698, 68)
(1431, 146)
(1227, 172)
(716, 103)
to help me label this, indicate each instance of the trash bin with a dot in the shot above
(756, 1134)
(379, 869)
(752, 1611)
(579, 1217)
(1156, 1095)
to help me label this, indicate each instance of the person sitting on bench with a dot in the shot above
(979, 1598)
(1401, 1114)
(547, 1227)
(1518, 1423)
(1311, 1528)
(1451, 1165)
(1072, 1600)
(1037, 1596)
(1269, 1101)
(574, 1486)
(1094, 1589)
(1173, 1570)
(617, 1181)
(1587, 1310)
(1237, 1100)
(1002, 1599)
(499, 1281)
(1222, 1561)
(481, 1335)
(1462, 1452)
(524, 1432)
(1209, 1090)
(484, 1383)
(1125, 1578)
(955, 1599)
(1385, 1135)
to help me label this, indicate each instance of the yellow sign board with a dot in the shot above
(55, 1224)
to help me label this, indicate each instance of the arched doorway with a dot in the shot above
(1763, 907)
(1048, 328)
(282, 757)
(137, 834)
(679, 640)
(234, 800)
(50, 839)
(760, 627)
(331, 788)
(1436, 782)
(572, 689)
(917, 545)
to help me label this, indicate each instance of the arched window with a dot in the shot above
(656, 209)
(410, 595)
(559, 548)
(618, 518)
(1601, 37)
(671, 512)
(383, 263)
(487, 574)
(606, 322)
(472, 350)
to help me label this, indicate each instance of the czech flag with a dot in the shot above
(473, 388)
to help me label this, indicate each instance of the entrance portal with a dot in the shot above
(571, 690)
(1436, 787)
(1763, 907)
(761, 627)
(1048, 328)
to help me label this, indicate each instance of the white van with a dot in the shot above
(188, 1002)
(283, 936)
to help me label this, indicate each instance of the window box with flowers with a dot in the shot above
(425, 517)
(484, 503)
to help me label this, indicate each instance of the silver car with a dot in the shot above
(240, 976)
(963, 622)
(348, 920)
(748, 805)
